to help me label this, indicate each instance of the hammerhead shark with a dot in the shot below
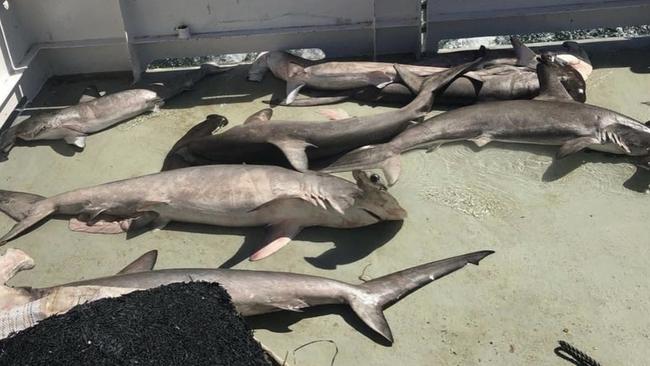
(227, 195)
(259, 140)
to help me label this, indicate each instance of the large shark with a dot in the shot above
(552, 118)
(259, 140)
(224, 195)
(498, 77)
(252, 292)
(95, 113)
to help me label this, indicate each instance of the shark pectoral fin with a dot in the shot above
(144, 263)
(575, 145)
(482, 140)
(392, 168)
(334, 114)
(89, 94)
(277, 237)
(150, 212)
(294, 150)
(261, 116)
(78, 140)
(525, 56)
(412, 80)
(140, 221)
(379, 79)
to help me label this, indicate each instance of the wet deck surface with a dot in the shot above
(571, 239)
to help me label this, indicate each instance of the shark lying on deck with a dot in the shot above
(552, 118)
(259, 140)
(224, 195)
(496, 78)
(252, 292)
(95, 113)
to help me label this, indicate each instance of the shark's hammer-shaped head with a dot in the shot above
(375, 200)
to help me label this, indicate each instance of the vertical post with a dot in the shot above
(374, 30)
(134, 59)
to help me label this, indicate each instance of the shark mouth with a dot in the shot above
(372, 214)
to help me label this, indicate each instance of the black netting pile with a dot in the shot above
(178, 324)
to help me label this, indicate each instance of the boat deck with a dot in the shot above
(571, 237)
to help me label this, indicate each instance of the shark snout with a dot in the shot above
(396, 213)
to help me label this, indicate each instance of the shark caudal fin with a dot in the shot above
(382, 156)
(426, 87)
(27, 209)
(382, 292)
(212, 123)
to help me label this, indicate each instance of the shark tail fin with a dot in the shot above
(28, 209)
(17, 204)
(382, 292)
(382, 156)
(211, 124)
(426, 87)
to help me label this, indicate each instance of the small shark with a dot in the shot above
(95, 113)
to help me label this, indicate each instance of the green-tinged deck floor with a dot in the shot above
(571, 239)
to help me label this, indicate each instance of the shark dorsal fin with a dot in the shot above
(412, 80)
(90, 93)
(144, 263)
(550, 87)
(525, 56)
(261, 116)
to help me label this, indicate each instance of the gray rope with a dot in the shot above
(574, 355)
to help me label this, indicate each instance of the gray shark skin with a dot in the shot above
(499, 77)
(93, 114)
(552, 118)
(259, 140)
(252, 292)
(283, 199)
(212, 124)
